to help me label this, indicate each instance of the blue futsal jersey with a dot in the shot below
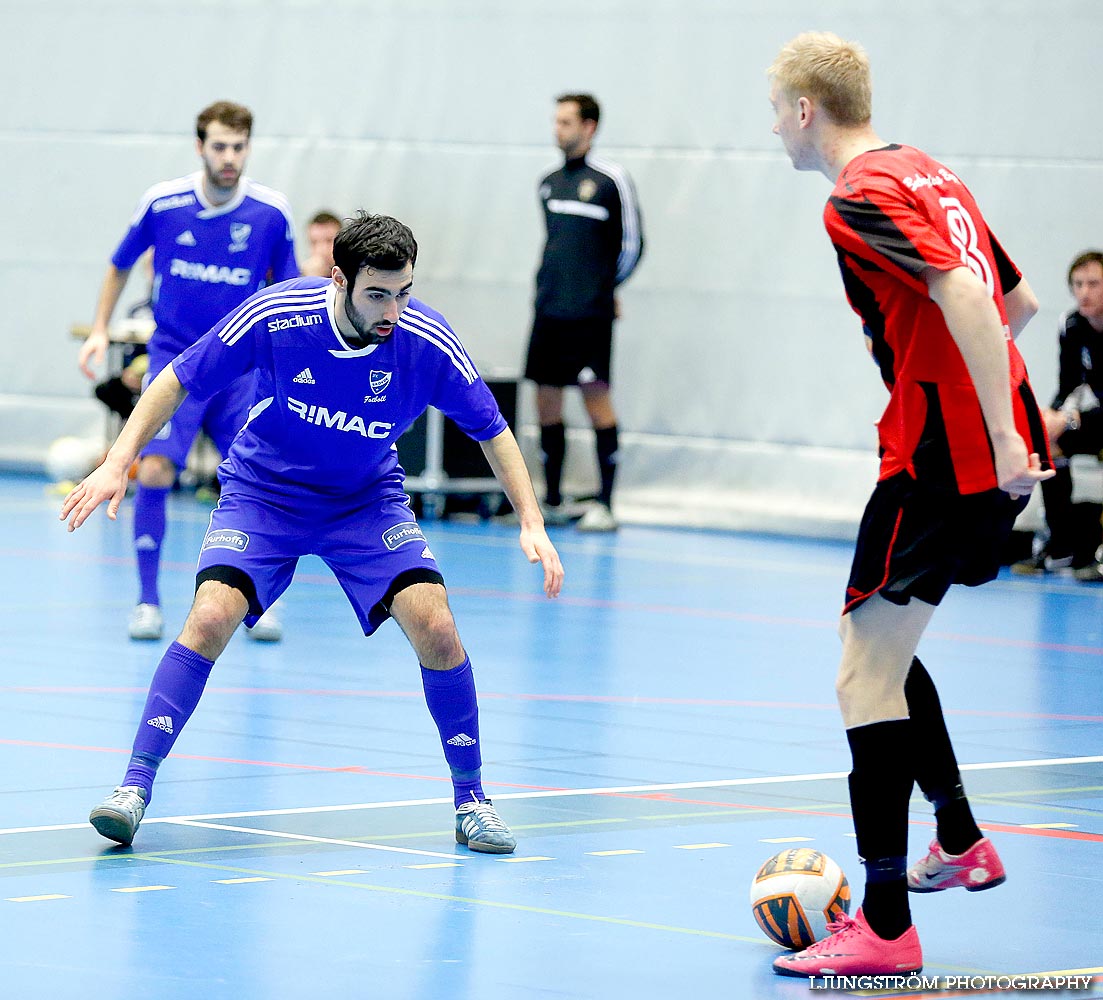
(207, 259)
(327, 414)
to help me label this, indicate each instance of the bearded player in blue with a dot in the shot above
(217, 237)
(343, 367)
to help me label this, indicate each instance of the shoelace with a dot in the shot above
(124, 797)
(843, 925)
(488, 818)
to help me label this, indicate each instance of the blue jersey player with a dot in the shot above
(217, 238)
(343, 367)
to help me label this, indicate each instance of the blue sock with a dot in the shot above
(149, 532)
(450, 695)
(173, 694)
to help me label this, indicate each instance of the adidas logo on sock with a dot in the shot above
(462, 740)
(304, 377)
(146, 543)
(161, 722)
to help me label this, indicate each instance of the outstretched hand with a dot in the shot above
(102, 484)
(538, 548)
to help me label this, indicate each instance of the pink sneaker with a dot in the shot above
(978, 868)
(852, 949)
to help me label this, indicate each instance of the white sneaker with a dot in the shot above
(480, 828)
(117, 817)
(146, 622)
(598, 518)
(268, 627)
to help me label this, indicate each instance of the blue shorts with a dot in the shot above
(367, 547)
(221, 416)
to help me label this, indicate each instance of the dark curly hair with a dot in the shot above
(377, 241)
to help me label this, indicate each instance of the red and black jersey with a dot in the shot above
(894, 213)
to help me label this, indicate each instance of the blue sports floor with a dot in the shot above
(651, 738)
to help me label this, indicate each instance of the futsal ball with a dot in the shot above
(796, 893)
(72, 458)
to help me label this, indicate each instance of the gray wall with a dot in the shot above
(744, 391)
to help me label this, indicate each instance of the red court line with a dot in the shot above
(651, 796)
(317, 579)
(598, 699)
(1093, 838)
(349, 769)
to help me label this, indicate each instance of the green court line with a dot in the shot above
(1036, 806)
(1045, 791)
(467, 900)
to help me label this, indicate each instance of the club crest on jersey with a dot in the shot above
(226, 538)
(587, 188)
(378, 381)
(239, 236)
(401, 534)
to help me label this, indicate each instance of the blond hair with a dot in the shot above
(834, 72)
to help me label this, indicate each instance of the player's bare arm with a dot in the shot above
(1021, 304)
(974, 323)
(109, 481)
(509, 467)
(95, 347)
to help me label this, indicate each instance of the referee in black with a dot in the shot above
(595, 241)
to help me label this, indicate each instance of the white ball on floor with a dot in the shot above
(72, 458)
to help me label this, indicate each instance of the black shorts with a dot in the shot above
(569, 351)
(915, 541)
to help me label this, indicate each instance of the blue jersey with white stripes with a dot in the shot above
(207, 259)
(327, 414)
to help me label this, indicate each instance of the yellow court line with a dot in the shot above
(37, 899)
(469, 901)
(143, 888)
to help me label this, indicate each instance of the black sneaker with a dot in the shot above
(1041, 563)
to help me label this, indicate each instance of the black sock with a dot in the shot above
(607, 461)
(1057, 501)
(936, 768)
(885, 905)
(553, 443)
(957, 829)
(880, 788)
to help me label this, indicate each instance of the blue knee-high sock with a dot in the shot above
(149, 532)
(450, 695)
(175, 691)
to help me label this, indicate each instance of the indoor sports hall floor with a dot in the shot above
(651, 737)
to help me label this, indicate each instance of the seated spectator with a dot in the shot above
(1074, 421)
(320, 233)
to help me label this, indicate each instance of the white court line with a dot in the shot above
(312, 840)
(780, 779)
